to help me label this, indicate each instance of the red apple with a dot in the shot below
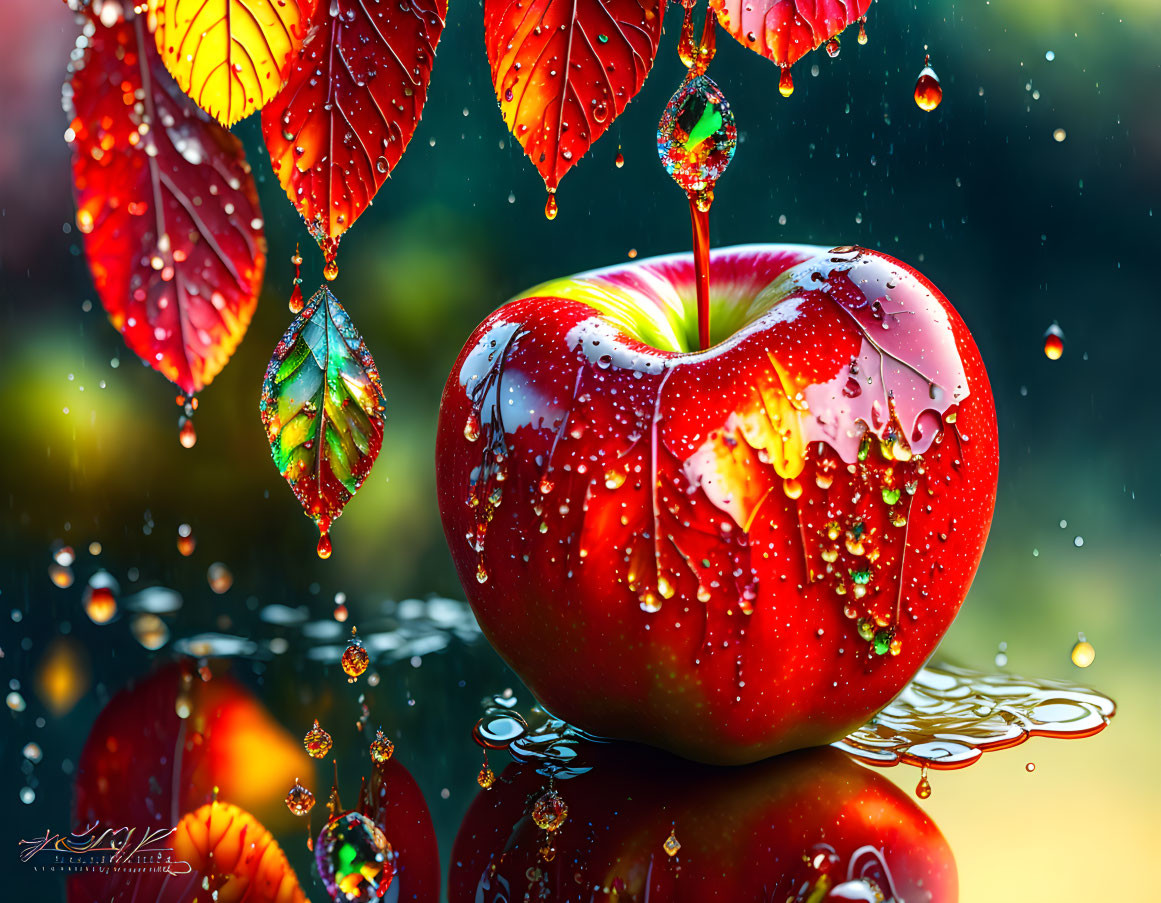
(809, 826)
(727, 553)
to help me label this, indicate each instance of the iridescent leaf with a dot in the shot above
(565, 69)
(786, 30)
(230, 56)
(322, 406)
(350, 107)
(167, 205)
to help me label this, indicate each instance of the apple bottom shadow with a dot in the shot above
(640, 825)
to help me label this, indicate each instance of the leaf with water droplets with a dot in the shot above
(350, 107)
(230, 56)
(322, 406)
(565, 69)
(786, 30)
(168, 208)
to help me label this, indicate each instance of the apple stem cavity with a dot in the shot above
(699, 207)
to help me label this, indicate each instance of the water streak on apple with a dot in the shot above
(742, 550)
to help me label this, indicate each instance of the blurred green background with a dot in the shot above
(1019, 229)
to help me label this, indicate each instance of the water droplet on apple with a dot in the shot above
(614, 479)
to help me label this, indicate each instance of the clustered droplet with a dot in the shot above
(299, 800)
(317, 742)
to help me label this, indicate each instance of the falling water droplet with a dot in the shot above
(331, 270)
(833, 47)
(185, 540)
(317, 742)
(671, 845)
(299, 800)
(100, 598)
(697, 137)
(550, 206)
(686, 48)
(862, 31)
(923, 788)
(381, 748)
(619, 160)
(785, 82)
(928, 91)
(186, 434)
(219, 577)
(1083, 652)
(355, 658)
(549, 811)
(324, 547)
(1053, 342)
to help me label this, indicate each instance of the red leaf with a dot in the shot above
(167, 205)
(565, 69)
(351, 105)
(786, 30)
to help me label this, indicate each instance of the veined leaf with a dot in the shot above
(350, 107)
(168, 208)
(786, 30)
(565, 69)
(230, 56)
(322, 406)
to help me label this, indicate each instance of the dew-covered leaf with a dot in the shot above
(322, 406)
(565, 69)
(167, 205)
(351, 105)
(786, 30)
(230, 56)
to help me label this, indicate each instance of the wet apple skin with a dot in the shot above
(704, 679)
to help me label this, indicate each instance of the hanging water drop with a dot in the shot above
(923, 788)
(619, 160)
(1053, 342)
(186, 434)
(550, 206)
(785, 82)
(928, 91)
(862, 31)
(1083, 653)
(833, 48)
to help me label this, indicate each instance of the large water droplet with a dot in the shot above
(697, 137)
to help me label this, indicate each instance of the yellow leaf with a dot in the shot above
(231, 56)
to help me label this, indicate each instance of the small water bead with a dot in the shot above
(100, 598)
(1053, 342)
(923, 788)
(550, 811)
(697, 136)
(355, 658)
(185, 540)
(317, 742)
(482, 572)
(15, 702)
(61, 577)
(219, 577)
(619, 160)
(382, 749)
(331, 270)
(486, 778)
(472, 428)
(551, 209)
(928, 91)
(785, 82)
(186, 434)
(299, 800)
(64, 556)
(671, 845)
(149, 630)
(614, 479)
(832, 48)
(1030, 767)
(1083, 653)
(354, 859)
(32, 752)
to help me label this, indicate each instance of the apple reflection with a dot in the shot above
(643, 826)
